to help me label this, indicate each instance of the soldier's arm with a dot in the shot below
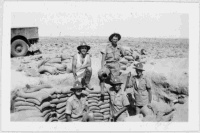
(149, 91)
(74, 66)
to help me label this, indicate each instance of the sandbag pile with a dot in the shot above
(100, 107)
(55, 66)
(44, 102)
(129, 57)
(58, 101)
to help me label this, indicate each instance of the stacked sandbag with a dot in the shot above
(54, 66)
(30, 98)
(130, 56)
(59, 100)
(99, 106)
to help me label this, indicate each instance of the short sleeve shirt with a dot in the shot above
(113, 54)
(141, 95)
(119, 100)
(76, 107)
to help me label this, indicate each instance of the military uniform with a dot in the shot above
(141, 94)
(111, 66)
(119, 100)
(76, 108)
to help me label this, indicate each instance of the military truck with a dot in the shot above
(21, 39)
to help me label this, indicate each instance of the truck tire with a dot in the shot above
(19, 48)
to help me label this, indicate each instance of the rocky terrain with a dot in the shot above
(166, 66)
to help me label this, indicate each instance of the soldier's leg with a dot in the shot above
(103, 75)
(87, 77)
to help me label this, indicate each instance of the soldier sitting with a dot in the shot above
(76, 107)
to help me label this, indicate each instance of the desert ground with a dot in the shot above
(166, 67)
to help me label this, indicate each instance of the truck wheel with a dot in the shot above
(19, 48)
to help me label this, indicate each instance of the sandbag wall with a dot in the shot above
(129, 57)
(44, 103)
(99, 106)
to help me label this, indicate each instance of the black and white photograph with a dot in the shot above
(124, 63)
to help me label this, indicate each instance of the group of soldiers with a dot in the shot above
(76, 108)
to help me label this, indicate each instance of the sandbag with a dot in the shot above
(98, 118)
(92, 104)
(98, 114)
(34, 88)
(92, 101)
(60, 67)
(94, 95)
(123, 61)
(103, 102)
(44, 113)
(60, 116)
(61, 110)
(34, 101)
(46, 117)
(36, 119)
(63, 120)
(56, 101)
(105, 106)
(21, 115)
(39, 95)
(22, 103)
(44, 105)
(104, 110)
(93, 98)
(61, 105)
(54, 60)
(54, 96)
(49, 69)
(123, 67)
(129, 58)
(96, 111)
(65, 57)
(20, 108)
(94, 92)
(106, 113)
(53, 119)
(106, 117)
(65, 90)
(127, 53)
(64, 95)
(106, 97)
(94, 108)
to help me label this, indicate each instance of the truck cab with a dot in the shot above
(21, 39)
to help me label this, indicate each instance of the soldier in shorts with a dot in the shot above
(76, 107)
(110, 66)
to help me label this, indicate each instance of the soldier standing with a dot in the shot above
(110, 66)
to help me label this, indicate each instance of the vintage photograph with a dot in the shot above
(120, 66)
(99, 66)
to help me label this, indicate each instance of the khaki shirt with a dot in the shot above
(119, 101)
(113, 54)
(76, 107)
(141, 90)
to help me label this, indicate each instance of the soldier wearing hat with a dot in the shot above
(141, 87)
(81, 65)
(110, 66)
(119, 101)
(76, 107)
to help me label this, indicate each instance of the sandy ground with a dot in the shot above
(168, 58)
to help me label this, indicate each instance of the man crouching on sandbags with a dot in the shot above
(119, 101)
(76, 107)
(81, 65)
(110, 66)
(141, 88)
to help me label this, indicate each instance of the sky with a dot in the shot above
(104, 18)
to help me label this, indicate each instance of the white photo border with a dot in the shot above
(192, 9)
